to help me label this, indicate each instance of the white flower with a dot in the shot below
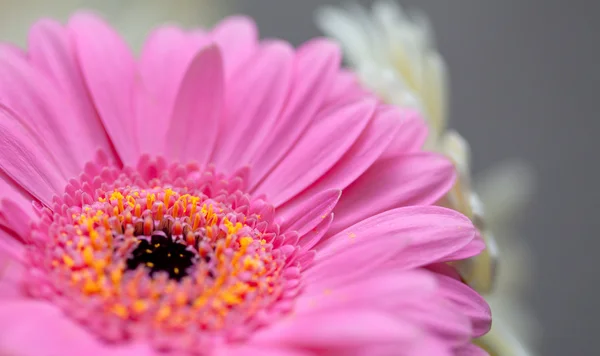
(394, 55)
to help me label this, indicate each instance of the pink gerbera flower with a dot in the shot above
(184, 202)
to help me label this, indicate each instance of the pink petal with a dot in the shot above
(370, 145)
(470, 303)
(473, 248)
(257, 350)
(312, 238)
(336, 331)
(411, 138)
(165, 58)
(33, 328)
(15, 218)
(12, 270)
(109, 70)
(360, 250)
(427, 234)
(255, 97)
(316, 65)
(198, 108)
(325, 142)
(416, 179)
(383, 291)
(51, 51)
(470, 350)
(307, 216)
(431, 346)
(11, 247)
(346, 89)
(237, 36)
(33, 101)
(24, 161)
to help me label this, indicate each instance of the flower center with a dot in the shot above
(161, 252)
(171, 250)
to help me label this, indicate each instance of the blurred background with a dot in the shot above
(524, 84)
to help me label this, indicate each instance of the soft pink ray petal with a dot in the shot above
(437, 235)
(312, 238)
(383, 291)
(11, 245)
(258, 350)
(370, 145)
(198, 109)
(12, 270)
(13, 50)
(165, 58)
(51, 51)
(411, 138)
(473, 248)
(346, 89)
(470, 350)
(25, 162)
(307, 216)
(255, 97)
(363, 248)
(411, 296)
(110, 73)
(46, 331)
(316, 66)
(325, 142)
(337, 331)
(237, 36)
(15, 217)
(417, 179)
(430, 346)
(34, 102)
(470, 303)
(433, 234)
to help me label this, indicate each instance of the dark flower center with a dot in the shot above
(162, 253)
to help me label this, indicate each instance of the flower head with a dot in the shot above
(184, 202)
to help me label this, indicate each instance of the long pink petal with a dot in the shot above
(307, 216)
(337, 330)
(325, 142)
(32, 100)
(198, 109)
(416, 179)
(384, 290)
(258, 350)
(312, 238)
(237, 36)
(370, 145)
(165, 58)
(346, 89)
(25, 162)
(470, 350)
(255, 96)
(12, 270)
(469, 302)
(316, 65)
(109, 70)
(411, 138)
(51, 51)
(427, 234)
(46, 331)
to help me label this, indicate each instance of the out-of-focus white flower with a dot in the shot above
(132, 18)
(393, 53)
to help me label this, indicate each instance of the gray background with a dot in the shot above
(524, 83)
